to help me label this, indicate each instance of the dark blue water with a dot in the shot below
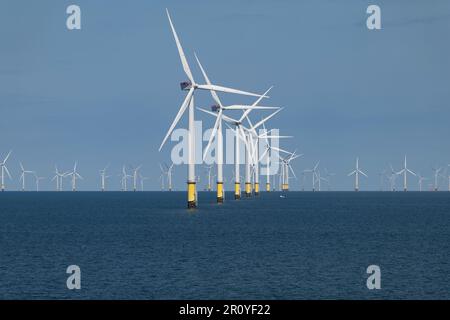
(148, 246)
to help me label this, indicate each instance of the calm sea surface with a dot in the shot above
(146, 245)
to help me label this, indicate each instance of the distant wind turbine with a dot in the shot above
(4, 169)
(103, 177)
(74, 176)
(37, 179)
(125, 177)
(356, 172)
(313, 171)
(405, 171)
(135, 177)
(421, 179)
(23, 175)
(436, 176)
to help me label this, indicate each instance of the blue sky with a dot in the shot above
(107, 93)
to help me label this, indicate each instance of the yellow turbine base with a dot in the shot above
(237, 190)
(220, 192)
(256, 189)
(248, 189)
(192, 201)
(268, 187)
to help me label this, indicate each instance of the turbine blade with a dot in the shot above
(183, 59)
(281, 150)
(292, 170)
(247, 107)
(263, 154)
(213, 133)
(228, 90)
(266, 118)
(7, 156)
(178, 116)
(363, 173)
(213, 93)
(261, 97)
(7, 171)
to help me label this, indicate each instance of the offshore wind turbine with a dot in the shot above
(420, 182)
(4, 169)
(208, 168)
(37, 179)
(356, 172)
(436, 176)
(320, 179)
(286, 166)
(169, 175)
(125, 177)
(74, 176)
(313, 172)
(135, 177)
(59, 176)
(103, 177)
(190, 86)
(161, 178)
(142, 179)
(22, 176)
(392, 178)
(405, 171)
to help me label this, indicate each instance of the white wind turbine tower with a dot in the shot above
(169, 172)
(135, 177)
(420, 182)
(356, 172)
(392, 178)
(405, 171)
(74, 176)
(4, 169)
(22, 176)
(320, 179)
(209, 168)
(37, 179)
(125, 177)
(436, 176)
(161, 177)
(313, 172)
(103, 177)
(142, 179)
(59, 178)
(188, 102)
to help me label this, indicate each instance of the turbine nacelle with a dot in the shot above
(215, 108)
(186, 85)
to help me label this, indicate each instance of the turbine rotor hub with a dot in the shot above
(186, 85)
